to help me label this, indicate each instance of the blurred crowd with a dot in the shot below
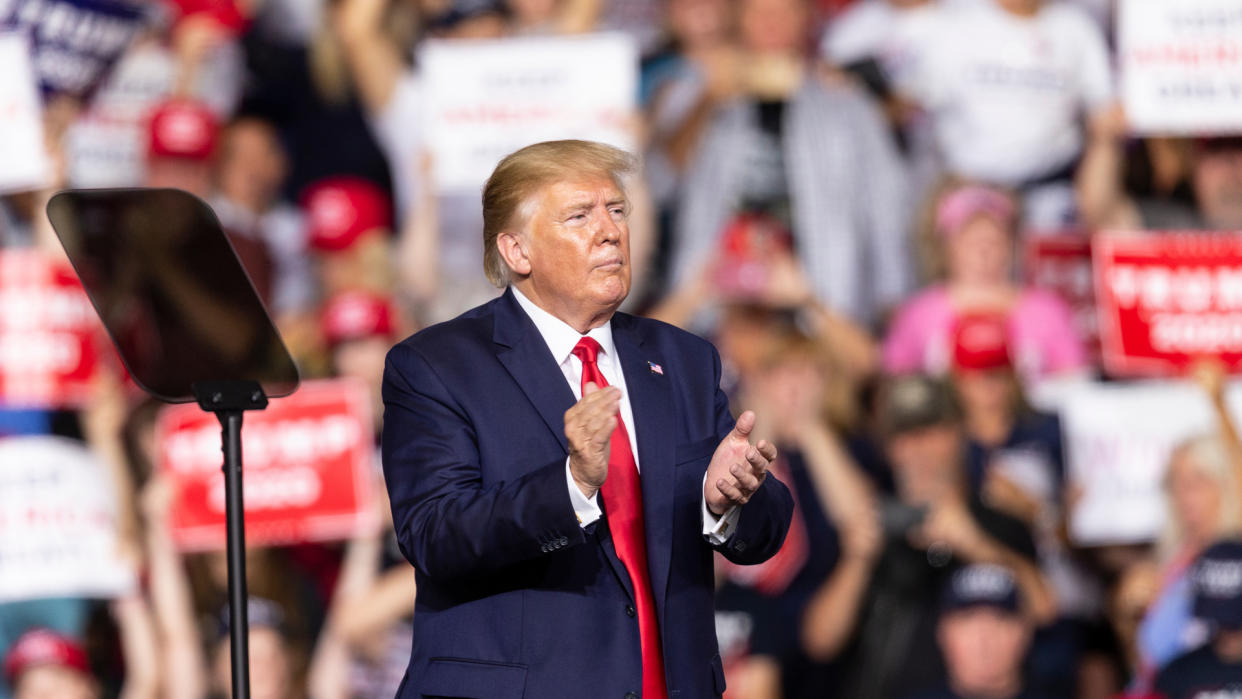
(836, 192)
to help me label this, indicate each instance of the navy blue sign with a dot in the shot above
(74, 42)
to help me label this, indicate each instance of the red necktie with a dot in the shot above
(623, 501)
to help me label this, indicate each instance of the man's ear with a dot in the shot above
(512, 247)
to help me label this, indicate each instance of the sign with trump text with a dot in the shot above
(486, 99)
(1167, 299)
(307, 460)
(50, 336)
(1181, 65)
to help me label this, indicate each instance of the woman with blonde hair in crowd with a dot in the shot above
(1203, 492)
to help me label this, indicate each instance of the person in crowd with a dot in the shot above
(807, 403)
(1202, 489)
(809, 153)
(43, 664)
(272, 663)
(316, 103)
(682, 86)
(1214, 669)
(359, 327)
(754, 281)
(350, 230)
(970, 244)
(182, 139)
(552, 17)
(1006, 84)
(1215, 183)
(983, 636)
(875, 613)
(250, 171)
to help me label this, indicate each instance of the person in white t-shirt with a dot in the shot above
(1016, 89)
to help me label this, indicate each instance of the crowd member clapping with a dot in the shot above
(876, 610)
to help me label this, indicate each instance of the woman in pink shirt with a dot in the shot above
(975, 232)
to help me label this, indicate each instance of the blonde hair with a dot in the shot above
(510, 191)
(1209, 455)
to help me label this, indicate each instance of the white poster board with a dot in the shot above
(58, 532)
(484, 99)
(1118, 438)
(23, 162)
(1181, 65)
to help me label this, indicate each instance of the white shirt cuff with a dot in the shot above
(717, 530)
(586, 508)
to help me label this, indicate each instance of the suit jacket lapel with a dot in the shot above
(525, 356)
(651, 398)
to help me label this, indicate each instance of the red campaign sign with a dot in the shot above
(49, 334)
(307, 462)
(1061, 263)
(1167, 299)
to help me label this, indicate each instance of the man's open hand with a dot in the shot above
(588, 429)
(737, 468)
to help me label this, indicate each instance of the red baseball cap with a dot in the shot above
(354, 315)
(341, 209)
(44, 647)
(226, 13)
(182, 128)
(981, 342)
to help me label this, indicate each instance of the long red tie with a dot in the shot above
(623, 503)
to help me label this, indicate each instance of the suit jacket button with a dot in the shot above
(739, 546)
(629, 611)
(564, 541)
(543, 547)
(631, 695)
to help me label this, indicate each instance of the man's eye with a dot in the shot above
(618, 211)
(577, 217)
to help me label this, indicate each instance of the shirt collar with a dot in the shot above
(560, 337)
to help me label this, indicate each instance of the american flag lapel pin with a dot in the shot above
(656, 368)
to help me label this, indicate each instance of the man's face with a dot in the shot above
(54, 682)
(577, 245)
(1218, 187)
(926, 461)
(983, 648)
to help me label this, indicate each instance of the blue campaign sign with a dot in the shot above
(74, 42)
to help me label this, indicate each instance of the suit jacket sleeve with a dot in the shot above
(449, 524)
(764, 519)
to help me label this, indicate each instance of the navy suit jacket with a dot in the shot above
(515, 598)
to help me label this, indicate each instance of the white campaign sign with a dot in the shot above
(1181, 65)
(23, 162)
(485, 99)
(1118, 438)
(58, 534)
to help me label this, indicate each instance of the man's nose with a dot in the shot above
(606, 229)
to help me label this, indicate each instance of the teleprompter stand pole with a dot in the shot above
(229, 400)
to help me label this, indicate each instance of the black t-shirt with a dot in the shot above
(893, 651)
(1200, 674)
(1033, 432)
(945, 693)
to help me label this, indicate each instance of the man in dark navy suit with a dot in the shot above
(561, 473)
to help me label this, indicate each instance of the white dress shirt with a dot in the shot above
(561, 340)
